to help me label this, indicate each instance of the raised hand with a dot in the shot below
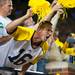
(29, 12)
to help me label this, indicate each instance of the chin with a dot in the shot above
(9, 13)
(37, 43)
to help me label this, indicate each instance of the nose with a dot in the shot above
(11, 7)
(37, 36)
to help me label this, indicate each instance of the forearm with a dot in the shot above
(50, 15)
(13, 25)
(36, 26)
(55, 8)
(4, 39)
(53, 3)
(24, 68)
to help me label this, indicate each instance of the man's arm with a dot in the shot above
(4, 39)
(24, 68)
(13, 25)
(54, 10)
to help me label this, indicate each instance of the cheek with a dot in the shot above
(42, 35)
(6, 9)
(39, 33)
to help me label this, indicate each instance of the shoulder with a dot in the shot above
(5, 20)
(23, 33)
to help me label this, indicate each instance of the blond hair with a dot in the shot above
(2, 2)
(45, 24)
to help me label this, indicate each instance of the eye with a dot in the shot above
(49, 30)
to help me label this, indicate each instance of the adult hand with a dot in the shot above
(57, 7)
(53, 3)
(29, 12)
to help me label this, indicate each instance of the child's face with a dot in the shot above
(41, 35)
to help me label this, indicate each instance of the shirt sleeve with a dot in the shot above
(23, 33)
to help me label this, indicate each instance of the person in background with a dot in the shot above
(6, 8)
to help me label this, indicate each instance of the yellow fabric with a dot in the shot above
(70, 51)
(67, 50)
(67, 3)
(65, 45)
(59, 43)
(45, 47)
(40, 7)
(23, 33)
(57, 73)
(35, 60)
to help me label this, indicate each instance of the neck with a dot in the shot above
(2, 13)
(35, 45)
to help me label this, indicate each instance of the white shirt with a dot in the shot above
(3, 22)
(5, 47)
(20, 53)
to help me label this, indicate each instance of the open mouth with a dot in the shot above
(36, 43)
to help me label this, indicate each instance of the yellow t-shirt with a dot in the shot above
(23, 33)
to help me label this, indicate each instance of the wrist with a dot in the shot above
(53, 11)
(27, 16)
